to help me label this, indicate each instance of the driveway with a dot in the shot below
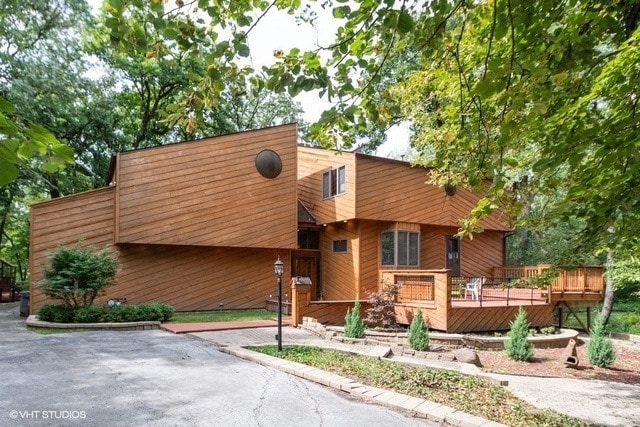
(157, 378)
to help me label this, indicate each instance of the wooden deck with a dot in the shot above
(448, 307)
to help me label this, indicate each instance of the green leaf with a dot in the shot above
(8, 171)
(341, 12)
(405, 22)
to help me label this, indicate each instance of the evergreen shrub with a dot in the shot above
(600, 351)
(517, 345)
(353, 323)
(418, 333)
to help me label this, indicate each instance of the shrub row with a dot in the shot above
(61, 313)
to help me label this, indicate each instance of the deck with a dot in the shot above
(453, 305)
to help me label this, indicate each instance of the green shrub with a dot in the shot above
(150, 312)
(418, 333)
(76, 275)
(58, 313)
(353, 323)
(166, 309)
(517, 346)
(122, 313)
(600, 351)
(90, 314)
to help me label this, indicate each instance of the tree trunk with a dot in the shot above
(607, 306)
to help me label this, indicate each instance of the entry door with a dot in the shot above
(306, 264)
(453, 255)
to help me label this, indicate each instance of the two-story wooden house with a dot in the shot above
(199, 224)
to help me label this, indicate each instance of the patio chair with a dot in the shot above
(472, 287)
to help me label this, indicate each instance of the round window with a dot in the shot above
(268, 163)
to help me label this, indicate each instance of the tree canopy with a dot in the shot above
(538, 97)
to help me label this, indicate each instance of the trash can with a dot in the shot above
(24, 304)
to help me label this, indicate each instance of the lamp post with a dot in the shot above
(278, 267)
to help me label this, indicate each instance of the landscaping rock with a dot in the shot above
(467, 355)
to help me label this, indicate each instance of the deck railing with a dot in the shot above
(577, 280)
(509, 291)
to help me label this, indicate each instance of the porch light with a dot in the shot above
(450, 189)
(278, 268)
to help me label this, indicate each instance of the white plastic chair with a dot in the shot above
(472, 287)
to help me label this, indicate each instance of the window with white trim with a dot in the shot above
(400, 248)
(334, 182)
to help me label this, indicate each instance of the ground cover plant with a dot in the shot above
(466, 393)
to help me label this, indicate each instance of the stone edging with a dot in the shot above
(33, 321)
(398, 340)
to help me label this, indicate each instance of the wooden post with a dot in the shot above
(300, 297)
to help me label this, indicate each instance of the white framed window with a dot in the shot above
(339, 247)
(334, 182)
(400, 248)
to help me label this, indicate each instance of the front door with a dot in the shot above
(306, 264)
(453, 255)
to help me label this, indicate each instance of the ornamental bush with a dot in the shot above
(61, 313)
(517, 345)
(381, 312)
(418, 333)
(353, 323)
(600, 351)
(76, 275)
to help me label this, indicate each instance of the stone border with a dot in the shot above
(33, 321)
(444, 340)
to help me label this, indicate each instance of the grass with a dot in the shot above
(221, 316)
(465, 393)
(625, 318)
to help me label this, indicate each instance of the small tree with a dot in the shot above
(77, 274)
(381, 312)
(600, 351)
(353, 324)
(517, 345)
(418, 333)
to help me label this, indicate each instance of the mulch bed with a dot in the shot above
(550, 363)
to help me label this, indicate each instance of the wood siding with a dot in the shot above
(369, 258)
(340, 271)
(198, 278)
(478, 256)
(312, 164)
(389, 190)
(478, 319)
(208, 192)
(85, 217)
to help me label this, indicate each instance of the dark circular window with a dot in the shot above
(268, 163)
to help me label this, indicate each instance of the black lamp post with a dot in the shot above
(278, 267)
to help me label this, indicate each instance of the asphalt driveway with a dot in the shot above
(156, 378)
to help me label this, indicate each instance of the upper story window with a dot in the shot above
(334, 182)
(400, 248)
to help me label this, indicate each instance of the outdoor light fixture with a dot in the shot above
(450, 189)
(278, 268)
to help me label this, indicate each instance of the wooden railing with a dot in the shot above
(412, 286)
(578, 280)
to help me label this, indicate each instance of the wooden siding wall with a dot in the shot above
(369, 258)
(394, 191)
(209, 193)
(84, 217)
(198, 278)
(340, 271)
(478, 256)
(312, 163)
(476, 319)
